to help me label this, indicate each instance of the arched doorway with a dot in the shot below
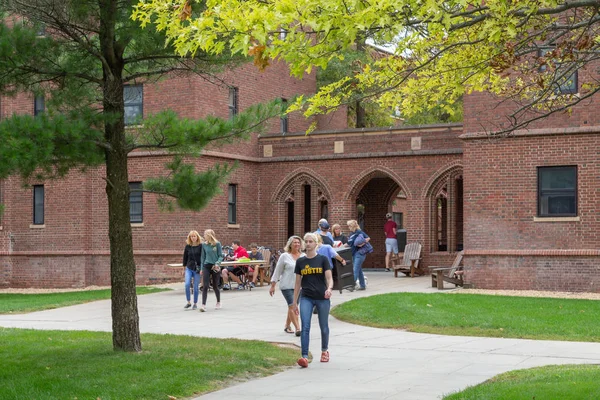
(375, 193)
(301, 199)
(445, 198)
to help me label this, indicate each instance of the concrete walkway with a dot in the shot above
(366, 363)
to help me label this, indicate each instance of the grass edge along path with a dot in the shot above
(19, 303)
(83, 365)
(477, 315)
(565, 382)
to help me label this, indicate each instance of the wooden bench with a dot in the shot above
(409, 265)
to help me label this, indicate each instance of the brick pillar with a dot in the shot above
(451, 214)
(299, 209)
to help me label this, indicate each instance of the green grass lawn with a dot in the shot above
(23, 303)
(82, 365)
(477, 315)
(564, 382)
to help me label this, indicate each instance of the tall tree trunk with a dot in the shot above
(125, 319)
(360, 115)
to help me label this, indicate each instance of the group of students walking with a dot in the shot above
(304, 275)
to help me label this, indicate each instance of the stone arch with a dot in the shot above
(365, 176)
(434, 181)
(443, 193)
(287, 184)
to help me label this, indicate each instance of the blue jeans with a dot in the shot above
(357, 262)
(306, 309)
(188, 280)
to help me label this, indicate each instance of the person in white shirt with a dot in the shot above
(284, 273)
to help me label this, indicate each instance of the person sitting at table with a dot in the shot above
(254, 255)
(234, 272)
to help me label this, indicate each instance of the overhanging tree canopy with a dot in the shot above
(523, 50)
(80, 54)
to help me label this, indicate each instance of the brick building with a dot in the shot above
(451, 186)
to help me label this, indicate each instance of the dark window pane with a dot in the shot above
(284, 119)
(38, 204)
(232, 194)
(39, 105)
(136, 202)
(232, 204)
(558, 178)
(134, 104)
(558, 204)
(557, 191)
(233, 102)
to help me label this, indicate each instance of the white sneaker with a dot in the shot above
(202, 308)
(218, 306)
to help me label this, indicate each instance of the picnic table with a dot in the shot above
(260, 264)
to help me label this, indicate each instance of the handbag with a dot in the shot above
(365, 249)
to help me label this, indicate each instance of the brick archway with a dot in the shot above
(444, 195)
(299, 201)
(303, 174)
(374, 189)
(365, 176)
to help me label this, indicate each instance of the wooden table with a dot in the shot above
(260, 264)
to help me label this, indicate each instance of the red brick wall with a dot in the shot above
(573, 273)
(500, 203)
(75, 233)
(485, 112)
(377, 154)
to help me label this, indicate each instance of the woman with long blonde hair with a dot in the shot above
(358, 239)
(192, 261)
(284, 273)
(212, 256)
(314, 277)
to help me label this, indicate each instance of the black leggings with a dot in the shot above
(208, 273)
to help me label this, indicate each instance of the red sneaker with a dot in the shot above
(303, 362)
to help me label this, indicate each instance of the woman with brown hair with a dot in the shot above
(192, 258)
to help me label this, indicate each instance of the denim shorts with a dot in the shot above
(391, 245)
(289, 295)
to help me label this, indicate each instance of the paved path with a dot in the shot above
(366, 363)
